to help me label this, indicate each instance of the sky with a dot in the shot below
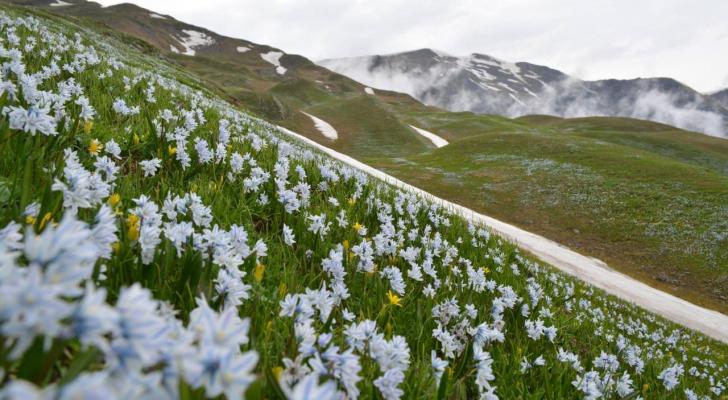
(591, 39)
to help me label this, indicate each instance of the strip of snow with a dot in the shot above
(157, 16)
(60, 3)
(369, 90)
(242, 49)
(436, 140)
(587, 269)
(324, 127)
(516, 99)
(193, 40)
(274, 57)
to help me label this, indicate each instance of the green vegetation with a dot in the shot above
(256, 266)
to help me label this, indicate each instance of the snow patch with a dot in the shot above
(242, 49)
(60, 3)
(274, 57)
(436, 140)
(369, 90)
(157, 16)
(324, 127)
(193, 40)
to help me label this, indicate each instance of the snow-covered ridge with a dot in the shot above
(324, 127)
(436, 140)
(157, 16)
(274, 57)
(369, 90)
(60, 3)
(242, 49)
(192, 40)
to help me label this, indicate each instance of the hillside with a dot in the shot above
(486, 85)
(265, 80)
(159, 243)
(679, 243)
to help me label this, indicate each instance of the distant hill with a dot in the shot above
(484, 84)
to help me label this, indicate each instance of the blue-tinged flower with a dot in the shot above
(309, 388)
(34, 119)
(222, 371)
(438, 366)
(92, 318)
(65, 253)
(225, 329)
(31, 307)
(387, 384)
(141, 332)
(150, 167)
(90, 386)
(103, 232)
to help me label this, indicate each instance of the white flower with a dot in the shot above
(113, 148)
(222, 371)
(624, 385)
(32, 120)
(318, 224)
(87, 111)
(150, 167)
(670, 376)
(92, 318)
(308, 388)
(230, 287)
(224, 330)
(438, 366)
(288, 237)
(387, 384)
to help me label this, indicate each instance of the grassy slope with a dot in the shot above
(650, 202)
(586, 329)
(654, 219)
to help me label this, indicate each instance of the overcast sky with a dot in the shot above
(592, 39)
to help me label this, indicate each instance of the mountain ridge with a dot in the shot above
(484, 84)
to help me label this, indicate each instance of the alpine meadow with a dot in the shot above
(164, 238)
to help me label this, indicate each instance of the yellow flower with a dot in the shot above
(352, 201)
(136, 139)
(132, 222)
(358, 227)
(95, 147)
(47, 217)
(87, 126)
(346, 245)
(116, 246)
(171, 150)
(394, 299)
(645, 387)
(114, 199)
(30, 220)
(282, 289)
(277, 371)
(258, 272)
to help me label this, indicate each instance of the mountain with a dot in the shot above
(485, 84)
(721, 97)
(284, 88)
